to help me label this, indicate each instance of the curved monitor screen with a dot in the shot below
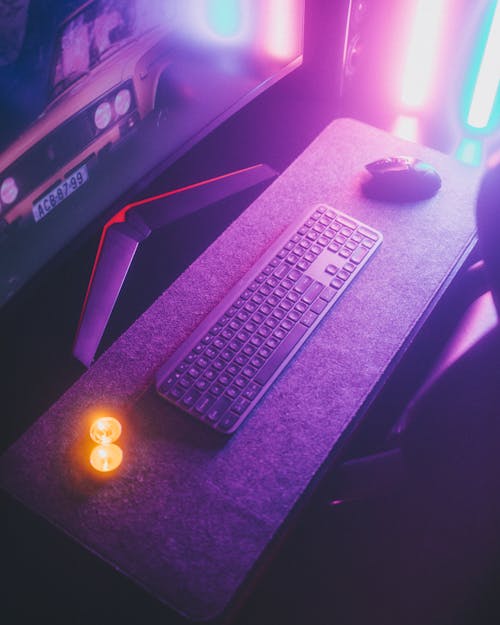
(96, 95)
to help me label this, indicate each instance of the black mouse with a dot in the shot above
(401, 179)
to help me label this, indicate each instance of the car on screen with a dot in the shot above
(108, 60)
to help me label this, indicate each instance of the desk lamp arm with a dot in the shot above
(123, 233)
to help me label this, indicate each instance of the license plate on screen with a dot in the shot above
(58, 194)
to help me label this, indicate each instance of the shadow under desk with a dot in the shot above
(191, 513)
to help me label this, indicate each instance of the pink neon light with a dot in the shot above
(282, 29)
(423, 52)
(407, 127)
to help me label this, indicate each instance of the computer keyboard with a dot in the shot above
(224, 368)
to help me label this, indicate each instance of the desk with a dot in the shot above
(190, 514)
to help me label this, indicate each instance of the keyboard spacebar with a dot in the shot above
(280, 353)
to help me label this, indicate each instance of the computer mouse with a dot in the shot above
(401, 179)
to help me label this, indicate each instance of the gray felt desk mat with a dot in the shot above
(189, 513)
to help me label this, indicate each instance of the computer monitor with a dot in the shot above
(98, 96)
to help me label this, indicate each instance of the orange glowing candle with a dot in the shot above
(105, 430)
(106, 458)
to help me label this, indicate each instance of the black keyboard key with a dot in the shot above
(319, 306)
(210, 374)
(232, 392)
(240, 405)
(345, 221)
(312, 293)
(286, 305)
(272, 342)
(343, 274)
(185, 382)
(264, 352)
(280, 354)
(248, 371)
(169, 382)
(328, 294)
(202, 384)
(309, 318)
(294, 275)
(190, 397)
(368, 233)
(240, 381)
(218, 408)
(279, 333)
(203, 404)
(228, 421)
(282, 270)
(303, 283)
(256, 362)
(251, 391)
(241, 360)
(224, 379)
(358, 254)
(218, 364)
(216, 389)
(176, 392)
(233, 369)
(337, 283)
(243, 316)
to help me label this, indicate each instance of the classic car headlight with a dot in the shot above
(123, 100)
(9, 191)
(103, 115)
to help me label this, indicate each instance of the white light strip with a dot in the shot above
(422, 52)
(488, 78)
(407, 128)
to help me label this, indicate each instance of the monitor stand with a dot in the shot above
(123, 233)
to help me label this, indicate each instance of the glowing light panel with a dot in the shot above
(105, 430)
(486, 88)
(470, 151)
(225, 17)
(422, 52)
(282, 36)
(407, 127)
(106, 458)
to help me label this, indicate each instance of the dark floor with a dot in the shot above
(343, 565)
